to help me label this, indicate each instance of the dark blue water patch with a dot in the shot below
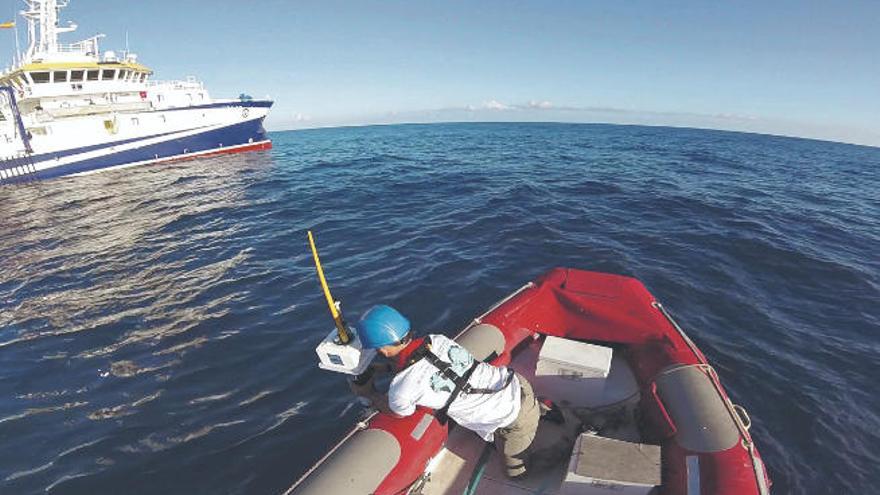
(158, 323)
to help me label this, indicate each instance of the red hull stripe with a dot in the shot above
(264, 145)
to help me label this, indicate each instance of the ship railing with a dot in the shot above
(87, 46)
(17, 168)
(77, 48)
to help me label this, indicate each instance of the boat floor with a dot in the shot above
(456, 464)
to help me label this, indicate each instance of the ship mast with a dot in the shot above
(43, 29)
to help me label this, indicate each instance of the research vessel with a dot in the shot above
(70, 109)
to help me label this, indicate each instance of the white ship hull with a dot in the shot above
(96, 142)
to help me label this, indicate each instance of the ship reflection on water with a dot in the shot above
(74, 236)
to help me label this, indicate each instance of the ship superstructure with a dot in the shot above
(69, 109)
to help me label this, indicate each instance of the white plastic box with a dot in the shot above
(604, 466)
(571, 372)
(351, 358)
(570, 358)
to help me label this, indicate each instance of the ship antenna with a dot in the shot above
(17, 60)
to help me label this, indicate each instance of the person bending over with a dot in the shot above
(433, 371)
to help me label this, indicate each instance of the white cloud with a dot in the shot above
(499, 106)
(540, 104)
(496, 105)
(734, 116)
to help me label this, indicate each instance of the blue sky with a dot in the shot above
(802, 68)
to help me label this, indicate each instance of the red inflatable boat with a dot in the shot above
(660, 399)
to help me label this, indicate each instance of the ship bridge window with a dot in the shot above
(93, 75)
(108, 74)
(40, 77)
(123, 75)
(76, 75)
(60, 76)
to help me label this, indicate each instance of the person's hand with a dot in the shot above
(385, 367)
(366, 389)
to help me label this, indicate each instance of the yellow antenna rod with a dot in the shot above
(344, 335)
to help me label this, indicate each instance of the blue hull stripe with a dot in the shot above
(236, 134)
(85, 149)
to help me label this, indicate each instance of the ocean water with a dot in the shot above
(157, 324)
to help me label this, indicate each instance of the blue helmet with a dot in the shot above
(382, 325)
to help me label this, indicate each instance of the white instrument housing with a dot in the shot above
(351, 358)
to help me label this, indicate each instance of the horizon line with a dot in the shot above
(562, 122)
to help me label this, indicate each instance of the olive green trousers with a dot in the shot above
(513, 441)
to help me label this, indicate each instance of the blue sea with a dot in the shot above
(158, 323)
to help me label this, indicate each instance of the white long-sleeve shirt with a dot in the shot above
(422, 384)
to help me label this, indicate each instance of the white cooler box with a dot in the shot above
(573, 359)
(604, 466)
(571, 371)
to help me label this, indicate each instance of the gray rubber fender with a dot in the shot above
(482, 341)
(358, 467)
(702, 421)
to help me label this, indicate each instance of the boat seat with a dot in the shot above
(358, 466)
(694, 409)
(483, 341)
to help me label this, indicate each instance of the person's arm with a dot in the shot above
(405, 393)
(397, 405)
(378, 400)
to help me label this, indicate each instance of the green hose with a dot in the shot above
(479, 469)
